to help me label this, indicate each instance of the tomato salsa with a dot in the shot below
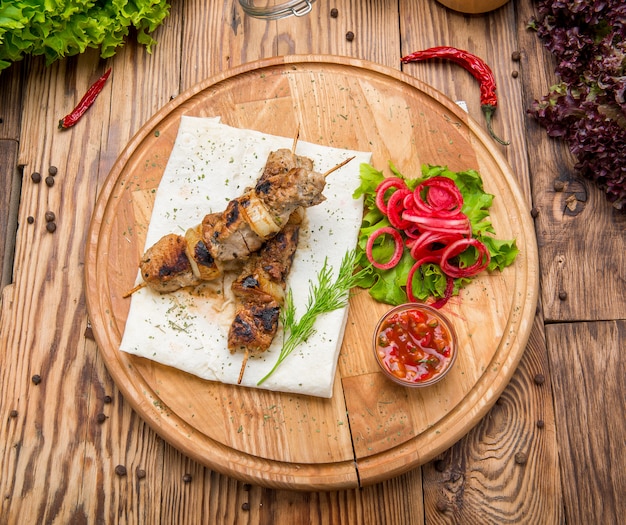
(415, 344)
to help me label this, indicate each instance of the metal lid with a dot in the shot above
(267, 12)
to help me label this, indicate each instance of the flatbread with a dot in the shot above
(210, 164)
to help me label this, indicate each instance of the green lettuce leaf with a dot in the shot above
(61, 28)
(389, 286)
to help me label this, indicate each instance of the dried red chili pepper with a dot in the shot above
(85, 103)
(478, 69)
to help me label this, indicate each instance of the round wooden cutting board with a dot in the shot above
(371, 429)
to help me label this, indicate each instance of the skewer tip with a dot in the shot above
(335, 168)
(243, 366)
(295, 140)
(133, 290)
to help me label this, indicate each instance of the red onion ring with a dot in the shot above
(397, 254)
(381, 189)
(458, 247)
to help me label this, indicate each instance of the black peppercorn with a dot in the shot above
(36, 379)
(516, 56)
(107, 399)
(349, 36)
(13, 413)
(562, 295)
(539, 379)
(51, 227)
(30, 219)
(50, 216)
(50, 181)
(101, 418)
(534, 213)
(141, 473)
(245, 506)
(334, 12)
(541, 423)
(52, 170)
(36, 177)
(120, 470)
(187, 478)
(515, 73)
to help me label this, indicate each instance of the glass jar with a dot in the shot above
(279, 10)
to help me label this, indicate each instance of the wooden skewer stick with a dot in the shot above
(335, 168)
(243, 366)
(135, 289)
(295, 141)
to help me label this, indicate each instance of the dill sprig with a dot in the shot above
(324, 296)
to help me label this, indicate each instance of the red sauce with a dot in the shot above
(415, 346)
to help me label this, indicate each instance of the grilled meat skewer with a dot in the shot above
(259, 292)
(229, 235)
(261, 213)
(164, 266)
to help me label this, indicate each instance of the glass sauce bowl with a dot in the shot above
(415, 345)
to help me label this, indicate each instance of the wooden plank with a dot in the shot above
(587, 363)
(11, 93)
(581, 237)
(10, 114)
(9, 202)
(394, 502)
(478, 480)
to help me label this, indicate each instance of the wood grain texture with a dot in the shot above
(11, 95)
(509, 459)
(9, 203)
(587, 363)
(10, 120)
(56, 431)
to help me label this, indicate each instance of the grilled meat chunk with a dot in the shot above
(165, 266)
(254, 327)
(283, 193)
(281, 161)
(257, 215)
(260, 289)
(228, 235)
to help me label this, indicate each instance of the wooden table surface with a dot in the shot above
(551, 449)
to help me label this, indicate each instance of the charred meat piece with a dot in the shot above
(281, 161)
(283, 193)
(260, 290)
(254, 327)
(165, 266)
(203, 264)
(228, 235)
